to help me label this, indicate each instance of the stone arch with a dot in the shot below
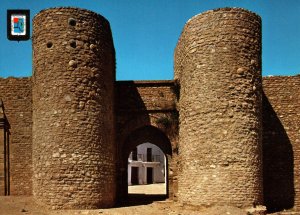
(138, 136)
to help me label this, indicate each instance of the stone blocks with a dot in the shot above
(218, 66)
(73, 109)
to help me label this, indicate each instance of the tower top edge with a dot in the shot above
(224, 9)
(65, 9)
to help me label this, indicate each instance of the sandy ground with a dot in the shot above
(26, 206)
(159, 189)
(136, 205)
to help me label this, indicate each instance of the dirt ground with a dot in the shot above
(13, 205)
(26, 206)
(159, 189)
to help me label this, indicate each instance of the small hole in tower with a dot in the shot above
(72, 22)
(49, 44)
(73, 44)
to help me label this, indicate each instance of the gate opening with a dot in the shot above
(144, 174)
(147, 171)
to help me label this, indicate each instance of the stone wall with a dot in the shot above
(146, 103)
(73, 109)
(281, 142)
(218, 65)
(17, 100)
(3, 169)
(2, 161)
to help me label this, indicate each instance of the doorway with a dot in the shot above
(148, 169)
(134, 175)
(149, 175)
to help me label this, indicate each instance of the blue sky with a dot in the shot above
(145, 33)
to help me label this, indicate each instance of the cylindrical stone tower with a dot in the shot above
(73, 121)
(218, 65)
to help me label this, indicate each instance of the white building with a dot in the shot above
(146, 165)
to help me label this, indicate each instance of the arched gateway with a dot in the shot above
(139, 136)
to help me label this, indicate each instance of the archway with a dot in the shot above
(146, 134)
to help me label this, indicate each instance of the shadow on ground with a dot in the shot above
(141, 199)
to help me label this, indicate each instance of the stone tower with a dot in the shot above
(73, 109)
(218, 66)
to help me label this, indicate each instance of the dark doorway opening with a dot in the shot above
(149, 154)
(149, 175)
(134, 154)
(134, 175)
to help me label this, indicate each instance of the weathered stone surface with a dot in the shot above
(281, 142)
(17, 100)
(73, 129)
(219, 110)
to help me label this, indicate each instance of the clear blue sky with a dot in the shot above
(145, 33)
